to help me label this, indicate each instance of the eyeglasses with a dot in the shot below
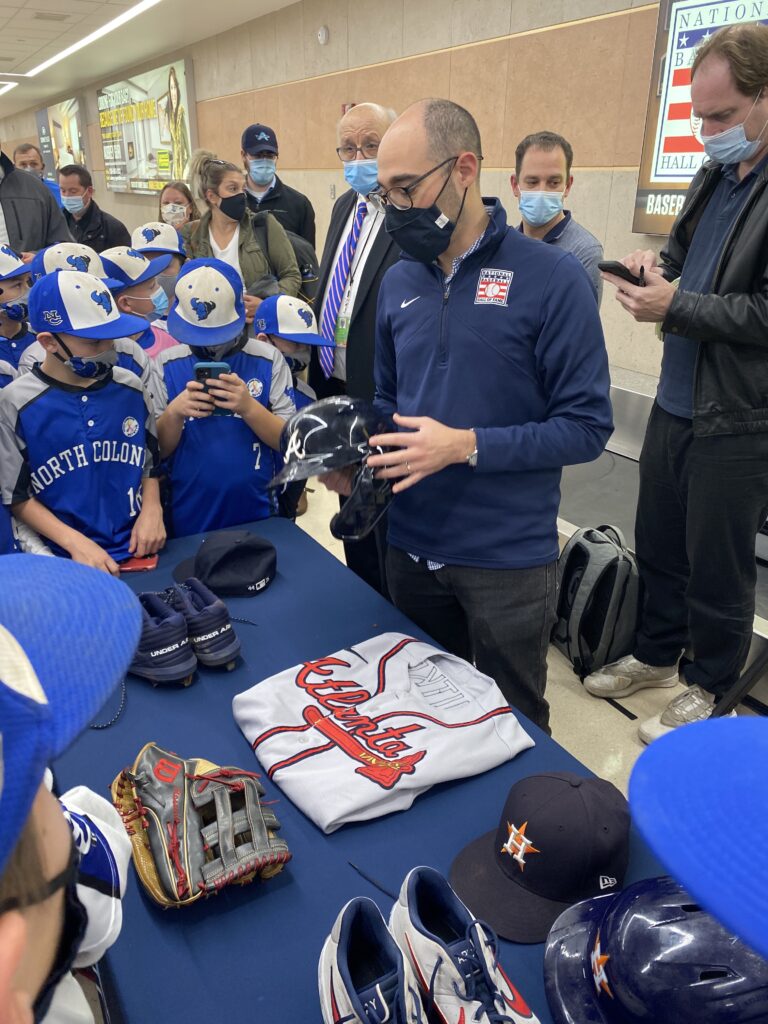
(368, 149)
(61, 881)
(400, 197)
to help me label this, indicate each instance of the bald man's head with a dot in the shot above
(366, 116)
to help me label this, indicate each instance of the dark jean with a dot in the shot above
(702, 501)
(499, 619)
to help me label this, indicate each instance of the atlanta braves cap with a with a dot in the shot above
(11, 264)
(232, 563)
(712, 836)
(208, 308)
(155, 236)
(130, 267)
(70, 302)
(288, 318)
(259, 138)
(70, 256)
(561, 838)
(67, 637)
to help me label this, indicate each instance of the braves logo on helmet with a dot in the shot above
(202, 308)
(306, 316)
(79, 262)
(103, 299)
(150, 234)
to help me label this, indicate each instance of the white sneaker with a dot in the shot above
(692, 705)
(362, 975)
(626, 676)
(453, 956)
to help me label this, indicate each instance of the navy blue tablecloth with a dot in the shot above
(251, 954)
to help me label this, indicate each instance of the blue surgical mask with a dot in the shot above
(73, 204)
(362, 175)
(732, 146)
(261, 171)
(160, 301)
(539, 208)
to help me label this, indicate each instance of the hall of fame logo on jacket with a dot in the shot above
(364, 731)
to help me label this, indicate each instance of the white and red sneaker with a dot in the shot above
(453, 955)
(362, 975)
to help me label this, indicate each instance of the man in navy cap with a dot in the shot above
(265, 191)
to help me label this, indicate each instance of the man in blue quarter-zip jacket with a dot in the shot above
(490, 354)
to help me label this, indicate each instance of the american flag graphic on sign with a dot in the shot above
(678, 151)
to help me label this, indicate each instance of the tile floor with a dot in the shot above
(592, 730)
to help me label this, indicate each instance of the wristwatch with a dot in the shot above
(472, 459)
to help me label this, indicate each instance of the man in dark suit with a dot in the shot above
(357, 254)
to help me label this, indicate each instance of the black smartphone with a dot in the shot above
(619, 270)
(207, 371)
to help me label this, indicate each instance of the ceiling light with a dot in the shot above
(128, 15)
(5, 86)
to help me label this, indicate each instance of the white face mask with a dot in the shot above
(173, 213)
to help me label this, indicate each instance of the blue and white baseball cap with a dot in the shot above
(70, 256)
(208, 308)
(155, 237)
(712, 833)
(56, 670)
(288, 318)
(70, 302)
(129, 267)
(11, 264)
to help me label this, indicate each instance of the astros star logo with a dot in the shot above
(518, 845)
(598, 959)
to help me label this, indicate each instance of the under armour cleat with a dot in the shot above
(454, 956)
(164, 654)
(362, 975)
(213, 639)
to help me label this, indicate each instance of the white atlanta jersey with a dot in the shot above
(365, 731)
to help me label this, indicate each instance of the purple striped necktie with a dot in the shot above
(336, 290)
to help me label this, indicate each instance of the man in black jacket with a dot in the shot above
(704, 464)
(30, 218)
(265, 191)
(88, 223)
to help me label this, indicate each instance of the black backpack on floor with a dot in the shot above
(598, 599)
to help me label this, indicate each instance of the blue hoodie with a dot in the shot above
(513, 348)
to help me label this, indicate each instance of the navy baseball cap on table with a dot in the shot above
(208, 309)
(70, 302)
(699, 797)
(56, 670)
(561, 838)
(129, 267)
(232, 563)
(257, 138)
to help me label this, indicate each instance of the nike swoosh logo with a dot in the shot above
(408, 303)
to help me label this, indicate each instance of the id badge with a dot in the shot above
(341, 333)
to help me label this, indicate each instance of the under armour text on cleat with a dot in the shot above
(362, 975)
(164, 654)
(211, 635)
(454, 956)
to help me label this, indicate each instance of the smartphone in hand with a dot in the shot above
(134, 564)
(619, 270)
(207, 371)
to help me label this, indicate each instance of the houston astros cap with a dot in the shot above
(561, 838)
(208, 308)
(288, 318)
(70, 302)
(259, 138)
(70, 256)
(11, 264)
(729, 876)
(53, 679)
(232, 563)
(155, 237)
(129, 267)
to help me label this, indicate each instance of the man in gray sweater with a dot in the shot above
(541, 182)
(30, 218)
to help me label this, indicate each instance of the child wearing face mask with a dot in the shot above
(220, 436)
(63, 862)
(136, 287)
(15, 335)
(153, 240)
(78, 448)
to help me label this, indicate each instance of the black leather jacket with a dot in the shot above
(730, 322)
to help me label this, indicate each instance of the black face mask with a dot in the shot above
(233, 206)
(422, 232)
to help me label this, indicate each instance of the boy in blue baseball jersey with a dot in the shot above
(219, 437)
(8, 373)
(15, 335)
(78, 447)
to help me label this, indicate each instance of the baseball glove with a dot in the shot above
(195, 827)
